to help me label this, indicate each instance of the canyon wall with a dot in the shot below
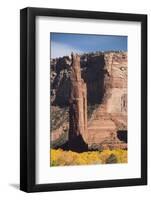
(110, 118)
(105, 77)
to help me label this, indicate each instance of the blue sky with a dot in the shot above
(63, 44)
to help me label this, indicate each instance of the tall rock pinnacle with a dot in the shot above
(78, 102)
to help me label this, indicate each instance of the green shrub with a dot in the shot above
(111, 159)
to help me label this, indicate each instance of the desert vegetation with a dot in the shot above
(59, 157)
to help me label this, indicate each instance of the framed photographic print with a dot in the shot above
(83, 99)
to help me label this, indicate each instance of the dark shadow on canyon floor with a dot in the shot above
(76, 145)
(122, 135)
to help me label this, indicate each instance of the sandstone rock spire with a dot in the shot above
(78, 102)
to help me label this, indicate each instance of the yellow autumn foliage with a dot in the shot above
(60, 157)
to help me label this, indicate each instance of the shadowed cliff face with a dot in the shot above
(94, 77)
(92, 71)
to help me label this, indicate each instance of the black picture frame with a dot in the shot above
(28, 98)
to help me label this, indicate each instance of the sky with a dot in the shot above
(62, 44)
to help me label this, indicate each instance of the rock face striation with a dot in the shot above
(109, 120)
(86, 81)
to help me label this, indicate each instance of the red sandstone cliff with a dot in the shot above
(105, 75)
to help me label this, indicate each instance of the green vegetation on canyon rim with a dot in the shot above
(60, 157)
